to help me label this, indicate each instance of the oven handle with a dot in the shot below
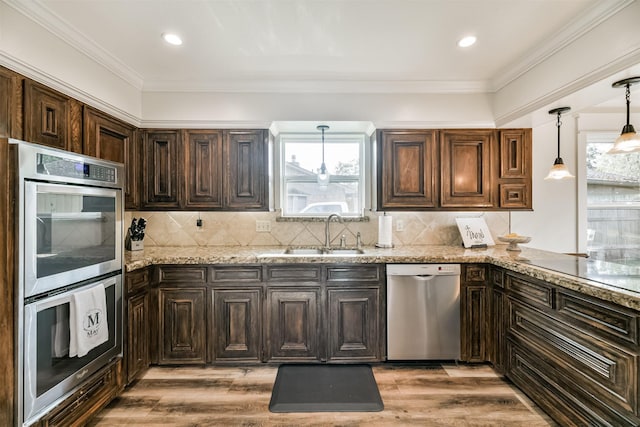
(65, 297)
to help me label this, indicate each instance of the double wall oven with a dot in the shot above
(70, 241)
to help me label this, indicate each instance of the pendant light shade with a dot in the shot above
(323, 174)
(629, 140)
(559, 169)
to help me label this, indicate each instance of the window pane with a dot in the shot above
(613, 205)
(308, 198)
(305, 158)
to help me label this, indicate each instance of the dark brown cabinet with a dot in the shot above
(237, 322)
(182, 329)
(10, 104)
(203, 169)
(466, 168)
(514, 178)
(51, 118)
(293, 324)
(574, 355)
(496, 332)
(108, 138)
(163, 170)
(408, 169)
(137, 329)
(473, 313)
(246, 174)
(353, 324)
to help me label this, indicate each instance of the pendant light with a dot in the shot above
(629, 140)
(559, 169)
(323, 174)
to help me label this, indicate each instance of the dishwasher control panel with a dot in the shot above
(423, 269)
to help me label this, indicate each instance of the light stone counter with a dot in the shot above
(619, 288)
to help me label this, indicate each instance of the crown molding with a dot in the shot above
(204, 124)
(582, 24)
(53, 23)
(51, 81)
(321, 86)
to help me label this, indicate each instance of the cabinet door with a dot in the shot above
(162, 167)
(293, 321)
(246, 175)
(237, 318)
(182, 325)
(407, 170)
(497, 333)
(10, 97)
(108, 138)
(203, 167)
(47, 117)
(514, 180)
(353, 321)
(137, 354)
(466, 168)
(473, 324)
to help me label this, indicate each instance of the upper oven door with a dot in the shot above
(71, 233)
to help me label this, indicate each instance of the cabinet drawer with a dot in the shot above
(232, 273)
(354, 273)
(534, 292)
(178, 274)
(294, 273)
(601, 318)
(594, 367)
(136, 281)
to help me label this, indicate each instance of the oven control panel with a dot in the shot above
(48, 164)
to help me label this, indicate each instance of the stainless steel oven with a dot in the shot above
(70, 211)
(49, 371)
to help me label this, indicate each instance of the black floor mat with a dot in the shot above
(325, 388)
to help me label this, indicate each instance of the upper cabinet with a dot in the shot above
(51, 118)
(246, 175)
(514, 179)
(205, 170)
(10, 99)
(111, 139)
(408, 161)
(484, 169)
(465, 164)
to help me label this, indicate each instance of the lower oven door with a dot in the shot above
(50, 373)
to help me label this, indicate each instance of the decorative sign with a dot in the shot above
(474, 232)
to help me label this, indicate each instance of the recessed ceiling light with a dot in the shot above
(467, 41)
(171, 38)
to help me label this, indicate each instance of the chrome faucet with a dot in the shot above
(327, 237)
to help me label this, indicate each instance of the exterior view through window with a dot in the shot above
(302, 195)
(613, 204)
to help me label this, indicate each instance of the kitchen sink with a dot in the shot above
(310, 251)
(344, 251)
(303, 251)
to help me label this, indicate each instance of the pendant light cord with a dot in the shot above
(323, 148)
(628, 101)
(558, 124)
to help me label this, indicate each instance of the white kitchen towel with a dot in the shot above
(60, 332)
(87, 320)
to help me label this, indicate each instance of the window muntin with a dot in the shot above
(301, 157)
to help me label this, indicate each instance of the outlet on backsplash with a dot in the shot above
(263, 226)
(399, 225)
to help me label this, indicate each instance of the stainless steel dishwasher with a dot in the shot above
(423, 311)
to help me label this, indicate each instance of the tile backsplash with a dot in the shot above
(239, 229)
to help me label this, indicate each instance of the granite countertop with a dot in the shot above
(607, 281)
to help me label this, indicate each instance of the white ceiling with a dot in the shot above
(319, 45)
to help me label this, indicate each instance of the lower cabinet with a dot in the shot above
(293, 324)
(574, 355)
(473, 313)
(353, 324)
(182, 330)
(137, 326)
(237, 315)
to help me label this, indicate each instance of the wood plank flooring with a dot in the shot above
(425, 395)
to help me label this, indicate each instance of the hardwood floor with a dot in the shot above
(425, 395)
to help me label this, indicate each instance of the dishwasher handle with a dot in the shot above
(424, 277)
